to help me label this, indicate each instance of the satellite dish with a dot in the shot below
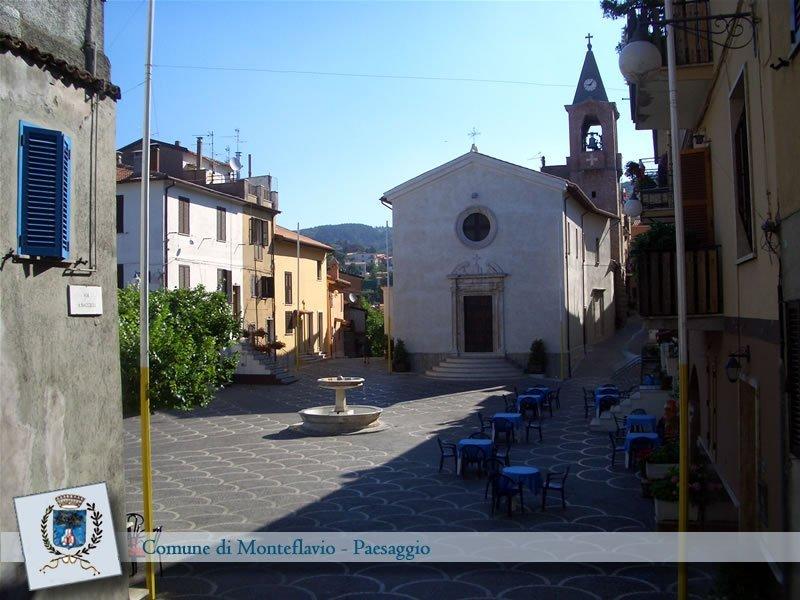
(235, 164)
(352, 297)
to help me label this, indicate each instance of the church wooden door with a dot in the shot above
(478, 334)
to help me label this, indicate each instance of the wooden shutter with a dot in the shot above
(288, 285)
(698, 205)
(793, 373)
(184, 277)
(183, 215)
(270, 283)
(221, 224)
(252, 230)
(264, 233)
(253, 286)
(120, 214)
(43, 199)
(289, 321)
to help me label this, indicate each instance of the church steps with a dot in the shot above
(475, 368)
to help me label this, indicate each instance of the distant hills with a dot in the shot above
(350, 237)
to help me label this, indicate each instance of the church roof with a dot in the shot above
(587, 90)
(545, 179)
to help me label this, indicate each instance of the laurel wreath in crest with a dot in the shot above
(80, 556)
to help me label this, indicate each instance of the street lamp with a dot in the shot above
(632, 206)
(733, 367)
(638, 59)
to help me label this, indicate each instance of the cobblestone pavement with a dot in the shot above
(234, 466)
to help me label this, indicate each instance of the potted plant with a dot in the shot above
(537, 359)
(702, 490)
(274, 346)
(400, 362)
(661, 460)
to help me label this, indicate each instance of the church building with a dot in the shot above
(490, 256)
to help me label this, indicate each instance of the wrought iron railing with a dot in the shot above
(657, 198)
(692, 39)
(656, 282)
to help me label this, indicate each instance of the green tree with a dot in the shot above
(191, 333)
(376, 338)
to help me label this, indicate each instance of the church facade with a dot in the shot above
(489, 256)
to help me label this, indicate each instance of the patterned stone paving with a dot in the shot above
(234, 466)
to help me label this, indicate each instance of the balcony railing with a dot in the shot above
(692, 39)
(655, 272)
(658, 198)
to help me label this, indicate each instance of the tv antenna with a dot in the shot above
(473, 133)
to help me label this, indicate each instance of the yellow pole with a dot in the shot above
(388, 334)
(683, 350)
(297, 324)
(144, 304)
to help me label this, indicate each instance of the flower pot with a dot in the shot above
(668, 511)
(658, 471)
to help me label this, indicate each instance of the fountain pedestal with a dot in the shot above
(340, 418)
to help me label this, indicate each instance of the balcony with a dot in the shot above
(656, 283)
(654, 190)
(694, 60)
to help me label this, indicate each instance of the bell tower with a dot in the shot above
(594, 162)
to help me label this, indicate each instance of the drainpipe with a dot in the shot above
(167, 186)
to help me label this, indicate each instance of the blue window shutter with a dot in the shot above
(43, 212)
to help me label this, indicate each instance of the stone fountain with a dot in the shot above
(340, 418)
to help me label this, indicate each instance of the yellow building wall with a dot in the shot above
(312, 294)
(256, 311)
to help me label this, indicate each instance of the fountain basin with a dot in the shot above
(325, 420)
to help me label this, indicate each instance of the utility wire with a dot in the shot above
(370, 75)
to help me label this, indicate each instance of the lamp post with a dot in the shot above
(637, 60)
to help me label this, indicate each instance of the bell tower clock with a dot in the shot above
(594, 162)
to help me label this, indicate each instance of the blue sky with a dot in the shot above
(336, 143)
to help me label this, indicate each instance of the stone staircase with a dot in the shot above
(475, 368)
(314, 357)
(257, 367)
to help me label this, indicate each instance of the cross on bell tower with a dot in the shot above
(589, 37)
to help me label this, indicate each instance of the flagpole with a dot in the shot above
(297, 324)
(144, 300)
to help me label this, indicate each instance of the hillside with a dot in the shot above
(349, 236)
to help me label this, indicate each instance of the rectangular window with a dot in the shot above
(183, 215)
(287, 284)
(259, 231)
(120, 276)
(267, 287)
(741, 171)
(319, 270)
(120, 213)
(289, 322)
(596, 252)
(222, 228)
(254, 286)
(43, 195)
(184, 277)
(224, 283)
(569, 234)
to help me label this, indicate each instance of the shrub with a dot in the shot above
(376, 338)
(400, 362)
(664, 455)
(191, 332)
(537, 359)
(703, 488)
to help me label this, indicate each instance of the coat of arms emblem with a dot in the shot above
(64, 532)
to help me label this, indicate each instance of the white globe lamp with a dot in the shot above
(637, 59)
(632, 206)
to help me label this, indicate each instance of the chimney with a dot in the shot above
(177, 142)
(249, 165)
(199, 160)
(119, 158)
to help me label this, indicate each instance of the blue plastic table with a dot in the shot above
(536, 396)
(486, 445)
(515, 418)
(530, 477)
(641, 423)
(602, 394)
